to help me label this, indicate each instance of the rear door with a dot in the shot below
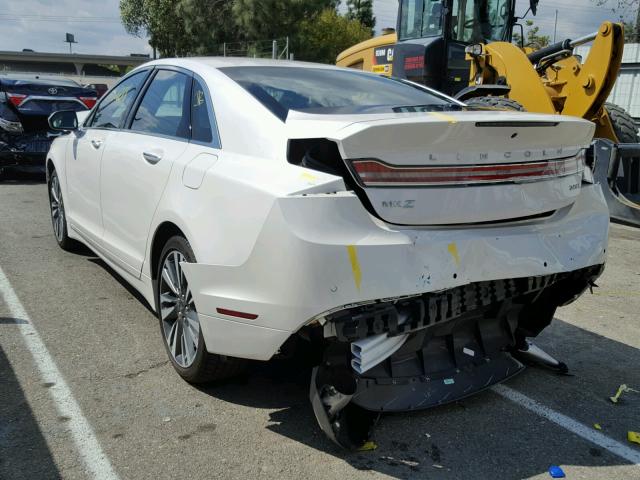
(137, 163)
(85, 156)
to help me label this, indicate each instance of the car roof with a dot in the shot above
(221, 62)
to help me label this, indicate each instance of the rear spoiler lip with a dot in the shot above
(517, 123)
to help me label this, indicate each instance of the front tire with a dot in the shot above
(179, 321)
(497, 103)
(58, 216)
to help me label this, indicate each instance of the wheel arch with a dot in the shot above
(162, 234)
(50, 167)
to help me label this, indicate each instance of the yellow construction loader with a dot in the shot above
(465, 49)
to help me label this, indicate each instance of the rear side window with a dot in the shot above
(202, 126)
(164, 109)
(114, 107)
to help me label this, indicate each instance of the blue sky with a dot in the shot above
(41, 24)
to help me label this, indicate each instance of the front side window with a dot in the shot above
(330, 91)
(480, 21)
(112, 110)
(421, 18)
(164, 109)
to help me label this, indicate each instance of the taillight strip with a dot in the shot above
(376, 173)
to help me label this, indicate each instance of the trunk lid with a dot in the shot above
(466, 167)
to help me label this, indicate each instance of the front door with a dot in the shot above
(84, 161)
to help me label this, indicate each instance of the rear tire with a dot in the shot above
(498, 103)
(626, 131)
(180, 324)
(623, 125)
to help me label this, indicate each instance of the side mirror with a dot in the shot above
(64, 120)
(533, 5)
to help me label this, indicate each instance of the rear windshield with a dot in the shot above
(329, 91)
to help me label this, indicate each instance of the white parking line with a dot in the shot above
(580, 429)
(85, 439)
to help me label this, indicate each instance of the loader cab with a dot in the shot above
(432, 36)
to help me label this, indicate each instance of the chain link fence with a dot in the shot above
(276, 49)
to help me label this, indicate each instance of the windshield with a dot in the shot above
(325, 90)
(472, 21)
(475, 21)
(421, 18)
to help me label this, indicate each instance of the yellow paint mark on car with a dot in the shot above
(453, 250)
(444, 116)
(355, 265)
(309, 176)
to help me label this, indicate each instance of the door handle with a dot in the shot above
(96, 144)
(152, 158)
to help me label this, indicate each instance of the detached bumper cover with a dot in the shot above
(320, 254)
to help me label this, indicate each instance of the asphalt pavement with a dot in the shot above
(149, 424)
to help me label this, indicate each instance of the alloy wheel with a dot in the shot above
(57, 208)
(180, 322)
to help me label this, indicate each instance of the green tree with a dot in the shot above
(626, 9)
(267, 19)
(321, 38)
(156, 19)
(179, 27)
(361, 10)
(186, 27)
(533, 38)
(207, 24)
(631, 33)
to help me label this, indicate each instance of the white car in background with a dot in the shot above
(414, 241)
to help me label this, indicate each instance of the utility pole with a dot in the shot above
(555, 27)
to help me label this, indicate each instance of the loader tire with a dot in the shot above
(498, 103)
(623, 124)
(626, 131)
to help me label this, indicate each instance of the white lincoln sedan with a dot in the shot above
(257, 205)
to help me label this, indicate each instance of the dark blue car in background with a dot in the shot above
(25, 106)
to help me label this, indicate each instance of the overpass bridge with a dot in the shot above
(75, 64)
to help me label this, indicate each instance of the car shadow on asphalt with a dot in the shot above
(24, 453)
(132, 291)
(483, 436)
(19, 178)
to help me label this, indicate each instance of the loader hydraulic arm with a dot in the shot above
(580, 87)
(538, 55)
(564, 46)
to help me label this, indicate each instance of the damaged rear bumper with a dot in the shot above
(25, 152)
(452, 302)
(321, 254)
(457, 343)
